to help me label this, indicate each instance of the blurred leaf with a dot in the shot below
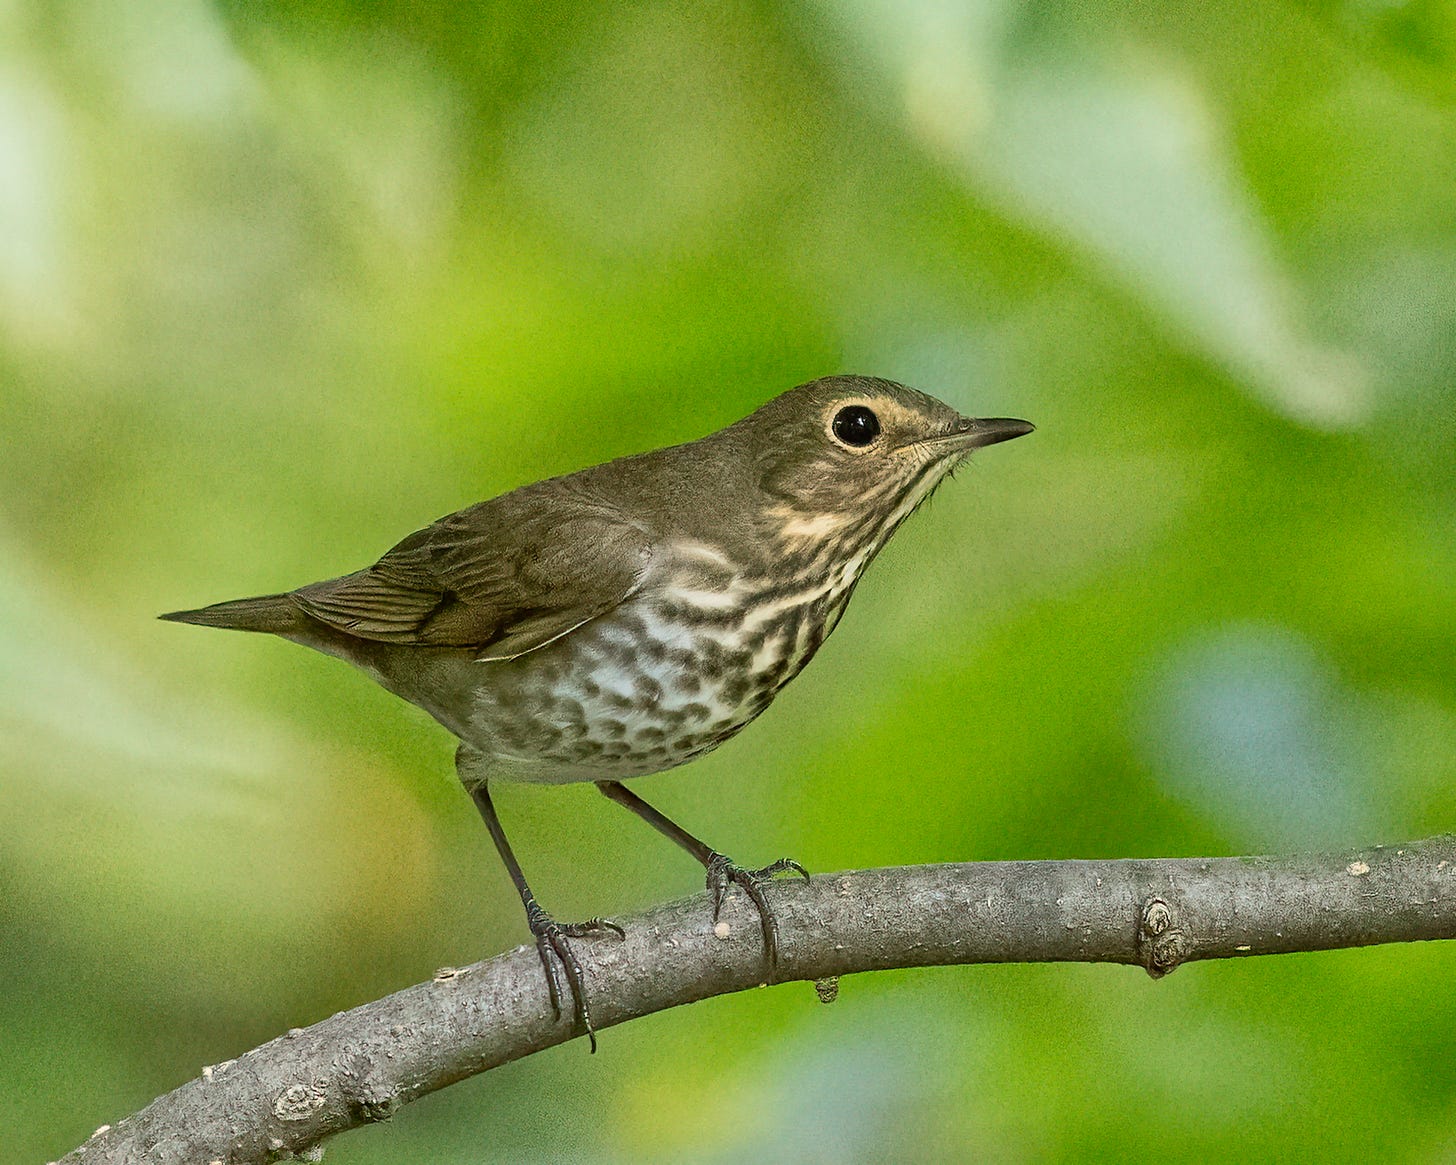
(1114, 151)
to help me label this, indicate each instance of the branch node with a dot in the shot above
(364, 1091)
(298, 1102)
(1161, 944)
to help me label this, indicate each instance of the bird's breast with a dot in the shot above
(669, 675)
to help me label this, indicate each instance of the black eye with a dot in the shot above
(856, 425)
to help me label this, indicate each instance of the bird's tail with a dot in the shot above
(277, 614)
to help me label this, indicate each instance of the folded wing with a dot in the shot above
(501, 578)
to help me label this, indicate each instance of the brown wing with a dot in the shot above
(502, 578)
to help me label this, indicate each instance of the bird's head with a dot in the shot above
(858, 453)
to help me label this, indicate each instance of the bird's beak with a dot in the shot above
(973, 433)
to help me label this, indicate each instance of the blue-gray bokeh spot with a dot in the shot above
(1249, 724)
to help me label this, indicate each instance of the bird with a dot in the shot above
(627, 618)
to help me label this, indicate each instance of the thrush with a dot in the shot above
(630, 617)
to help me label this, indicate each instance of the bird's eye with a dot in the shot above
(856, 425)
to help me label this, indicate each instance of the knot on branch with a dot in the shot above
(1161, 943)
(365, 1090)
(298, 1102)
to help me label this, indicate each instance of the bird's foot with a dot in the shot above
(722, 871)
(551, 939)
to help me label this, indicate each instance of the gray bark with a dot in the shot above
(359, 1066)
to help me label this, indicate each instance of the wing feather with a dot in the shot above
(502, 578)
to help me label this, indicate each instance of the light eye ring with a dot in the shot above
(855, 426)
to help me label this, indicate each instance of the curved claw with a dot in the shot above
(722, 871)
(552, 935)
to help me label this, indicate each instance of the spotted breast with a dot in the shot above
(671, 674)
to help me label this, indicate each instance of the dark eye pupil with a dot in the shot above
(856, 425)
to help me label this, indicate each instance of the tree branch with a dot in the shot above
(362, 1065)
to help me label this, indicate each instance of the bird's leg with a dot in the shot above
(550, 935)
(721, 869)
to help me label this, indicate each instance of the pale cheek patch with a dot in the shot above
(801, 530)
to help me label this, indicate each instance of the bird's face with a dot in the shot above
(850, 450)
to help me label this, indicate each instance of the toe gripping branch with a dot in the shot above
(551, 938)
(722, 871)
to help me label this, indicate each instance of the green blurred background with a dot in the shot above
(281, 282)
